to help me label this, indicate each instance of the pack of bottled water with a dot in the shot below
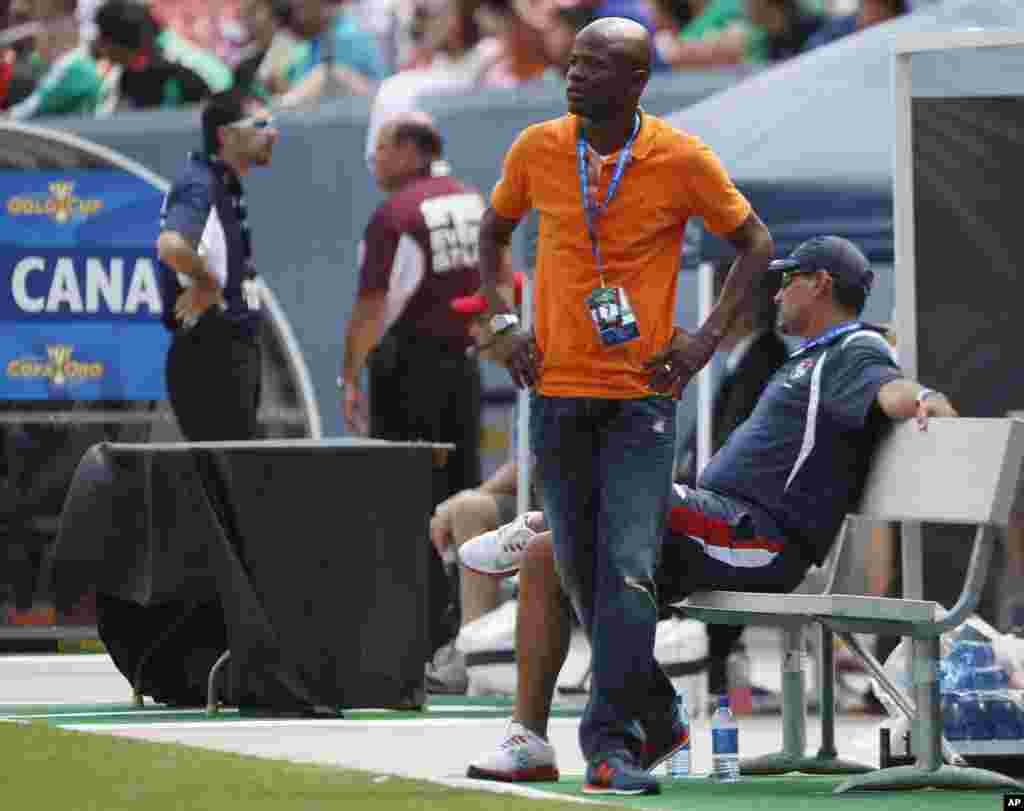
(978, 681)
(977, 702)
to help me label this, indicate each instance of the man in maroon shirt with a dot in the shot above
(419, 252)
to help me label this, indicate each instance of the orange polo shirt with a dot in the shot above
(672, 176)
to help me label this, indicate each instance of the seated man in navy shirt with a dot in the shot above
(766, 507)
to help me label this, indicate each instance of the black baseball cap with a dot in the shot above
(839, 257)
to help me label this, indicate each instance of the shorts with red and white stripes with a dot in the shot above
(718, 542)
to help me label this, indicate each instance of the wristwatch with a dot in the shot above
(503, 321)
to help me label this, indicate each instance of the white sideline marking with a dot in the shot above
(498, 787)
(109, 714)
(319, 723)
(159, 709)
(72, 659)
(148, 704)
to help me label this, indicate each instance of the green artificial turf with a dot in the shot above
(48, 769)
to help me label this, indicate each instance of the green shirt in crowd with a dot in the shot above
(71, 86)
(721, 15)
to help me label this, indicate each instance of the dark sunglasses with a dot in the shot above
(790, 276)
(255, 122)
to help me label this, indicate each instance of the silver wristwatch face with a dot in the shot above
(503, 321)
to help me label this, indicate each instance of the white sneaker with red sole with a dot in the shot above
(500, 551)
(523, 757)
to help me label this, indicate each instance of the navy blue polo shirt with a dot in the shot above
(803, 453)
(206, 206)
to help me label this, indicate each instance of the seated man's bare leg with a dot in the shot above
(542, 643)
(543, 630)
(474, 514)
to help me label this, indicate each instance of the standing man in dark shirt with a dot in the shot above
(211, 305)
(208, 276)
(419, 252)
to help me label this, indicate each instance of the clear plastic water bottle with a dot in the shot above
(678, 766)
(725, 743)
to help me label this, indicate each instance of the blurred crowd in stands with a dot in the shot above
(99, 56)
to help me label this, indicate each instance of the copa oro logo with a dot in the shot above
(61, 204)
(59, 367)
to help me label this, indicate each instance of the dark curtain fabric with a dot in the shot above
(429, 390)
(968, 164)
(306, 559)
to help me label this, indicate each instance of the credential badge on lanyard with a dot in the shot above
(609, 306)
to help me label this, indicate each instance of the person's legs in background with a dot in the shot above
(883, 578)
(457, 379)
(214, 382)
(469, 514)
(411, 387)
(479, 592)
(543, 629)
(1011, 599)
(723, 640)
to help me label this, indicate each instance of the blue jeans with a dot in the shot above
(605, 473)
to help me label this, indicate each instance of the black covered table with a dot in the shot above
(306, 558)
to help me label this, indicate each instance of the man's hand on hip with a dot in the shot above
(195, 301)
(355, 411)
(514, 349)
(671, 370)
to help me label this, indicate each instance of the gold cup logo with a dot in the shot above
(61, 200)
(60, 357)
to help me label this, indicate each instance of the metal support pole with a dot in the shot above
(794, 716)
(827, 694)
(927, 735)
(794, 721)
(212, 704)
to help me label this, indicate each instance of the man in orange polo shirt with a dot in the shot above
(614, 188)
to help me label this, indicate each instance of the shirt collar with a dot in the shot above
(223, 170)
(644, 139)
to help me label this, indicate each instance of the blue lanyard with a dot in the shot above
(827, 337)
(592, 210)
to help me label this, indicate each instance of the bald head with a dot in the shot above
(623, 37)
(406, 148)
(609, 66)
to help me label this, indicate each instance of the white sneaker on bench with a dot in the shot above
(500, 551)
(523, 757)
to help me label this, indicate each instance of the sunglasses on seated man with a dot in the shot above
(789, 276)
(256, 122)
